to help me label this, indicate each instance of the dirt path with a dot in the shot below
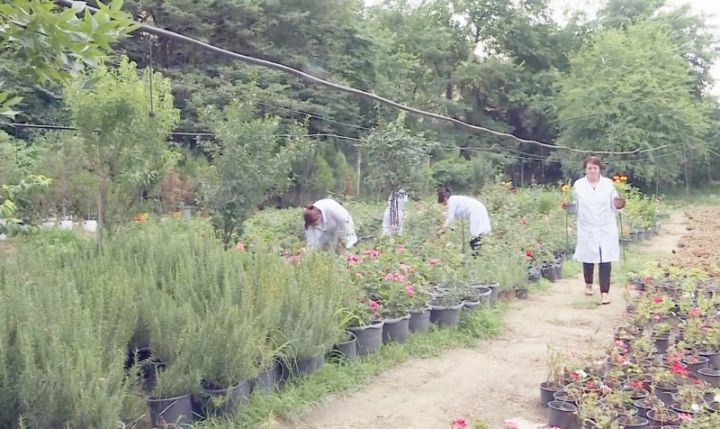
(498, 379)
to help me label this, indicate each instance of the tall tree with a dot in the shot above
(251, 161)
(632, 90)
(123, 124)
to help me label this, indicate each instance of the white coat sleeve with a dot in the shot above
(450, 214)
(312, 238)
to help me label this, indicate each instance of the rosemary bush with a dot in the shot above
(310, 320)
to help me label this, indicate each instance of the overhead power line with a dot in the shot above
(146, 28)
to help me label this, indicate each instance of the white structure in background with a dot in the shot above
(394, 215)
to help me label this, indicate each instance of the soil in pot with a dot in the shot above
(397, 330)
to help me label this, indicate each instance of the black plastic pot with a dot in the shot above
(549, 272)
(445, 317)
(558, 269)
(534, 274)
(219, 401)
(562, 395)
(665, 392)
(680, 410)
(710, 376)
(369, 338)
(484, 294)
(642, 407)
(268, 379)
(492, 298)
(346, 349)
(632, 422)
(547, 391)
(521, 292)
(563, 415)
(397, 330)
(696, 364)
(656, 422)
(661, 344)
(166, 412)
(303, 366)
(419, 320)
(713, 356)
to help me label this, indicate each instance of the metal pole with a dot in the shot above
(567, 235)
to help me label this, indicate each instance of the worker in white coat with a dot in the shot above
(470, 209)
(597, 231)
(390, 227)
(326, 222)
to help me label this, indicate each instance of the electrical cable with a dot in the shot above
(146, 28)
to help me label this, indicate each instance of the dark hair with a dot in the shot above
(594, 160)
(443, 195)
(311, 215)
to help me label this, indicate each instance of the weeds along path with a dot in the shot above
(498, 379)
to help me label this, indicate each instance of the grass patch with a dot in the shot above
(297, 396)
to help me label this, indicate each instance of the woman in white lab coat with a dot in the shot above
(470, 209)
(597, 230)
(326, 222)
(388, 227)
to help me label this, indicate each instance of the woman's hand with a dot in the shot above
(563, 204)
(619, 203)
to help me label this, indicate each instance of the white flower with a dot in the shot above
(581, 373)
(695, 407)
(717, 397)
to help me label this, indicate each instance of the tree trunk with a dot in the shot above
(687, 172)
(359, 171)
(102, 199)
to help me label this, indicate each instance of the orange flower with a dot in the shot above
(623, 179)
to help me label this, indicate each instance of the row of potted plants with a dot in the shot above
(663, 369)
(162, 313)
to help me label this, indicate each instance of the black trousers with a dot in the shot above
(604, 269)
(475, 245)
